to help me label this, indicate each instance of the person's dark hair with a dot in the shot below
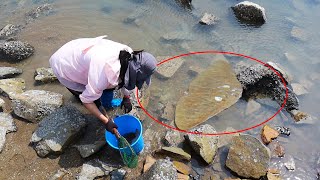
(125, 57)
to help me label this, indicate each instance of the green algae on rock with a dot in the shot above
(211, 92)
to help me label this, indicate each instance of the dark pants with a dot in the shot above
(104, 100)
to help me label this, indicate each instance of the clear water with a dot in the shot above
(81, 18)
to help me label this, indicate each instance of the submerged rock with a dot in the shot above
(8, 31)
(252, 107)
(33, 105)
(93, 139)
(58, 130)
(12, 87)
(45, 75)
(250, 13)
(248, 157)
(9, 72)
(161, 170)
(43, 10)
(211, 92)
(298, 89)
(205, 146)
(169, 68)
(15, 50)
(299, 34)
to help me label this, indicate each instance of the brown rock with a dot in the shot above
(268, 134)
(274, 171)
(148, 163)
(182, 177)
(271, 176)
(279, 150)
(181, 167)
(175, 153)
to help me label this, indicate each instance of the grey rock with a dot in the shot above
(7, 122)
(290, 164)
(175, 153)
(3, 132)
(172, 138)
(248, 157)
(208, 19)
(135, 17)
(58, 130)
(118, 174)
(205, 146)
(8, 31)
(261, 80)
(15, 50)
(160, 170)
(33, 105)
(177, 36)
(12, 87)
(93, 169)
(93, 139)
(45, 75)
(2, 104)
(167, 69)
(251, 13)
(43, 10)
(9, 72)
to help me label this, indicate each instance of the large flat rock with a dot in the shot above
(211, 92)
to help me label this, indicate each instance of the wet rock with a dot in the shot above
(57, 130)
(59, 174)
(299, 34)
(6, 121)
(248, 157)
(172, 138)
(175, 153)
(300, 116)
(135, 17)
(261, 80)
(161, 170)
(148, 163)
(290, 57)
(298, 89)
(167, 69)
(277, 149)
(12, 87)
(33, 105)
(208, 19)
(217, 86)
(9, 72)
(43, 10)
(118, 174)
(8, 31)
(252, 107)
(290, 164)
(181, 167)
(205, 146)
(227, 138)
(2, 104)
(93, 139)
(177, 36)
(287, 77)
(44, 75)
(3, 132)
(250, 13)
(15, 50)
(268, 134)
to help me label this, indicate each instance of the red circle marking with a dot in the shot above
(226, 132)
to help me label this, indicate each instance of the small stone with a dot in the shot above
(299, 115)
(45, 75)
(148, 163)
(271, 176)
(181, 167)
(290, 164)
(277, 149)
(274, 171)
(182, 177)
(208, 19)
(298, 89)
(268, 134)
(252, 107)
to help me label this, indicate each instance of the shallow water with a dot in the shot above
(81, 18)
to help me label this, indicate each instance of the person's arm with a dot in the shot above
(95, 111)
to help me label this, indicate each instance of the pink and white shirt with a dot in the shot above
(89, 65)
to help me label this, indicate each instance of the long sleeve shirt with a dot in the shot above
(89, 65)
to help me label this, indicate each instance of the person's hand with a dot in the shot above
(110, 125)
(126, 103)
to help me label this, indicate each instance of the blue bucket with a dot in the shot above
(127, 124)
